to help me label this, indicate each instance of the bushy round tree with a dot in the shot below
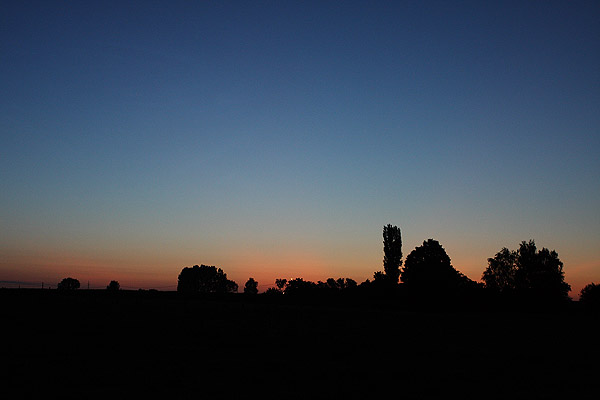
(68, 284)
(500, 273)
(528, 271)
(429, 266)
(590, 295)
(204, 279)
(251, 286)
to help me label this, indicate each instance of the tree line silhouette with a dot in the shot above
(336, 335)
(524, 273)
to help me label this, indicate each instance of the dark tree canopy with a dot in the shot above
(330, 283)
(500, 274)
(68, 284)
(273, 291)
(204, 279)
(113, 285)
(590, 295)
(280, 283)
(380, 283)
(280, 287)
(541, 271)
(429, 266)
(336, 285)
(251, 286)
(527, 270)
(392, 252)
(346, 283)
(299, 286)
(379, 277)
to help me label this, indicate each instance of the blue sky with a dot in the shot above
(276, 139)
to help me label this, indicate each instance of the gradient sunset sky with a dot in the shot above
(276, 139)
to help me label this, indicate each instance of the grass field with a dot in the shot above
(147, 343)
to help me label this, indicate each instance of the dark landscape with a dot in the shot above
(98, 342)
(162, 145)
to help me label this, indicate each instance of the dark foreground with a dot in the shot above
(95, 343)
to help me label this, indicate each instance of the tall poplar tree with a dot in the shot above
(392, 252)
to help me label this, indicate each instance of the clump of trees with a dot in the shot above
(590, 295)
(528, 273)
(527, 270)
(251, 287)
(299, 286)
(204, 279)
(428, 266)
(426, 270)
(68, 284)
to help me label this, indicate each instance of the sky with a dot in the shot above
(276, 139)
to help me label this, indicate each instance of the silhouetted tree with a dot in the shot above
(527, 270)
(500, 275)
(68, 284)
(204, 279)
(380, 279)
(392, 250)
(346, 283)
(273, 291)
(332, 284)
(251, 286)
(279, 287)
(338, 285)
(280, 283)
(429, 266)
(113, 286)
(299, 286)
(540, 271)
(590, 295)
(366, 284)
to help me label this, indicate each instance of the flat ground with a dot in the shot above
(159, 343)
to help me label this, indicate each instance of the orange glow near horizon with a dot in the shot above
(134, 274)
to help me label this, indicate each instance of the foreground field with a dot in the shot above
(158, 343)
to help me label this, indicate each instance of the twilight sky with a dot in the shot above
(275, 139)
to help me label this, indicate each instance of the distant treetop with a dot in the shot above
(590, 295)
(204, 279)
(527, 270)
(428, 266)
(251, 286)
(68, 284)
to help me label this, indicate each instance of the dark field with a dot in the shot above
(92, 343)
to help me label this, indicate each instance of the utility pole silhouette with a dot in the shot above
(88, 285)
